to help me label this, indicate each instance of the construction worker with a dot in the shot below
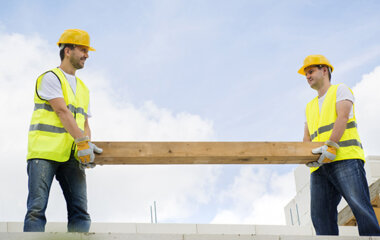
(339, 171)
(59, 137)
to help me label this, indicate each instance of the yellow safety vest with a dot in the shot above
(321, 125)
(47, 138)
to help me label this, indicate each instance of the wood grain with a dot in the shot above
(206, 152)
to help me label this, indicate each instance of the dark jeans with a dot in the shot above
(327, 186)
(73, 183)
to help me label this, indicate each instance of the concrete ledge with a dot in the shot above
(112, 227)
(18, 226)
(166, 228)
(284, 230)
(176, 231)
(226, 229)
(89, 236)
(223, 237)
(180, 228)
(149, 236)
(3, 227)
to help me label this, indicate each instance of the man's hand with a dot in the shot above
(328, 154)
(85, 152)
(95, 148)
(91, 164)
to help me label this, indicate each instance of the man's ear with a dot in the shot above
(325, 70)
(67, 50)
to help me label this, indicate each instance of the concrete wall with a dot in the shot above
(126, 236)
(180, 228)
(147, 231)
(372, 167)
(297, 211)
(175, 228)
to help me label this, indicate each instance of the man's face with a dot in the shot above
(78, 56)
(314, 77)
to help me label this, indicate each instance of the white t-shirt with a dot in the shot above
(342, 93)
(50, 87)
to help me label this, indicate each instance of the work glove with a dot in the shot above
(95, 149)
(328, 154)
(85, 166)
(85, 152)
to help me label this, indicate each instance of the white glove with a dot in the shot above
(328, 154)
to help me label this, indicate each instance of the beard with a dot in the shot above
(76, 62)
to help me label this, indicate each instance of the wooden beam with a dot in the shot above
(347, 218)
(206, 152)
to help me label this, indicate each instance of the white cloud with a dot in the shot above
(20, 56)
(257, 196)
(367, 99)
(116, 193)
(125, 193)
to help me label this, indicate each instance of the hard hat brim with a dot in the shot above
(302, 70)
(88, 47)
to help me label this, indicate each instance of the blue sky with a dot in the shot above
(208, 58)
(196, 70)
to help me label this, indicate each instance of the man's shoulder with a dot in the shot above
(49, 73)
(343, 89)
(49, 76)
(342, 86)
(344, 93)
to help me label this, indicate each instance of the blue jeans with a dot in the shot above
(327, 186)
(73, 183)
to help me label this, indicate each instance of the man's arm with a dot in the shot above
(87, 130)
(343, 109)
(66, 117)
(306, 134)
(328, 151)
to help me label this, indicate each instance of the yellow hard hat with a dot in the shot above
(314, 60)
(76, 37)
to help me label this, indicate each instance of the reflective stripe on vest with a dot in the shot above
(47, 138)
(330, 127)
(46, 128)
(351, 142)
(48, 107)
(321, 124)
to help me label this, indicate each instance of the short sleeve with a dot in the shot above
(89, 111)
(50, 87)
(344, 93)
